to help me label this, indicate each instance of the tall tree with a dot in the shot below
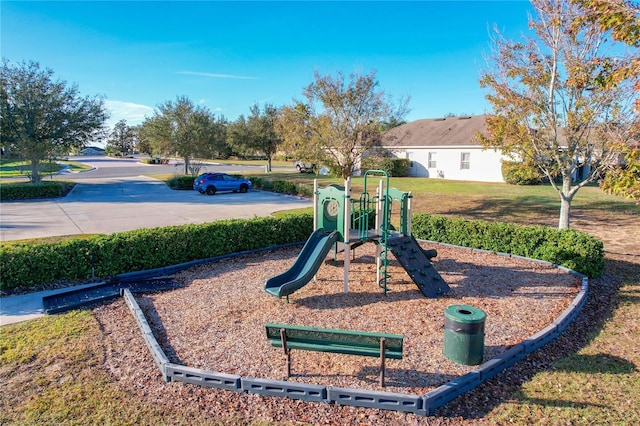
(154, 135)
(142, 143)
(256, 134)
(216, 145)
(123, 138)
(339, 122)
(42, 117)
(180, 128)
(622, 18)
(624, 179)
(555, 101)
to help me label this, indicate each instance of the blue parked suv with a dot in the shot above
(210, 183)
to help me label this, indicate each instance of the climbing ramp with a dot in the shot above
(415, 261)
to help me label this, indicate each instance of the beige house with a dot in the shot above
(445, 148)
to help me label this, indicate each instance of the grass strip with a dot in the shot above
(597, 385)
(52, 373)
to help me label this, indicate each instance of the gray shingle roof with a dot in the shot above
(450, 131)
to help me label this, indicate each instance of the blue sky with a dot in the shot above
(227, 56)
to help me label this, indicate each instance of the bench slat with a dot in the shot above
(341, 349)
(350, 342)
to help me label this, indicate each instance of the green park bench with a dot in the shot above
(350, 342)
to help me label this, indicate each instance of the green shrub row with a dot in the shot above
(181, 182)
(104, 256)
(398, 167)
(24, 190)
(154, 160)
(566, 247)
(281, 186)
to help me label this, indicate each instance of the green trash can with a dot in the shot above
(464, 334)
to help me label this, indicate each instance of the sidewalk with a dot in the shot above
(28, 306)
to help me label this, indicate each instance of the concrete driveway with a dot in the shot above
(115, 203)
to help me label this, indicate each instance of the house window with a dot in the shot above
(432, 160)
(465, 160)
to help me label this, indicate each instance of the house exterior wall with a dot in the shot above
(92, 151)
(483, 165)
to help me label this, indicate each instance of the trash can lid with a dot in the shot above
(465, 314)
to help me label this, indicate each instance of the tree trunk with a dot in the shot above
(186, 165)
(565, 203)
(268, 164)
(35, 176)
(565, 213)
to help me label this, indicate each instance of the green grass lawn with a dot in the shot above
(487, 201)
(449, 191)
(51, 370)
(14, 169)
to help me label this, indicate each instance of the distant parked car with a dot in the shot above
(210, 183)
(305, 168)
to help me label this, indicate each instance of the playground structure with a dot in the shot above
(344, 223)
(419, 404)
(424, 404)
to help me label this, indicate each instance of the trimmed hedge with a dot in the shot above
(154, 160)
(565, 247)
(397, 167)
(25, 191)
(104, 256)
(281, 186)
(181, 183)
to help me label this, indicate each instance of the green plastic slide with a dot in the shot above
(306, 265)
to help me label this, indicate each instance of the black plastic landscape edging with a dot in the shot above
(88, 295)
(424, 405)
(157, 353)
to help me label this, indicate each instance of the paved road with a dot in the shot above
(107, 167)
(116, 197)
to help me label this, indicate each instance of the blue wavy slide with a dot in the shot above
(306, 265)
